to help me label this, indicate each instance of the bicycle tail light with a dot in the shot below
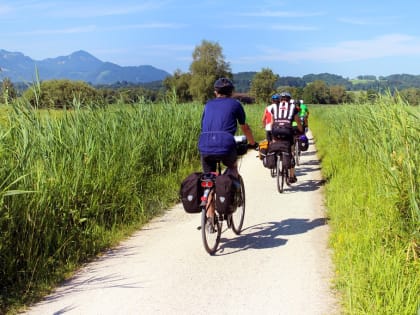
(207, 183)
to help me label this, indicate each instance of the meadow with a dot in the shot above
(76, 182)
(370, 159)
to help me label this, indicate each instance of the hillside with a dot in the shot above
(79, 65)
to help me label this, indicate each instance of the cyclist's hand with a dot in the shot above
(254, 146)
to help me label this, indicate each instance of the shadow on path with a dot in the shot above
(268, 235)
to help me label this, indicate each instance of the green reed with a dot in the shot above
(71, 181)
(370, 159)
(74, 182)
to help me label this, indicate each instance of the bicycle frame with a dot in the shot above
(211, 230)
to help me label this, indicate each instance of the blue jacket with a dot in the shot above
(218, 126)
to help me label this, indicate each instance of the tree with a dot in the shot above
(262, 85)
(8, 91)
(372, 95)
(411, 95)
(295, 92)
(208, 65)
(316, 92)
(337, 94)
(178, 86)
(62, 93)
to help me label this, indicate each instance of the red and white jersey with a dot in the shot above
(268, 119)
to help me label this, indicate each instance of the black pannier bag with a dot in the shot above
(284, 147)
(191, 192)
(303, 143)
(279, 146)
(225, 193)
(269, 160)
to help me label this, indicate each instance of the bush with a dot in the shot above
(62, 94)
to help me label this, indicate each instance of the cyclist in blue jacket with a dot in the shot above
(219, 122)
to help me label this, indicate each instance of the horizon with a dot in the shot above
(245, 71)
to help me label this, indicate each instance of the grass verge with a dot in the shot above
(370, 158)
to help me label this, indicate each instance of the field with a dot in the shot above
(370, 160)
(74, 183)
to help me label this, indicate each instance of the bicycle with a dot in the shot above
(297, 151)
(281, 169)
(211, 228)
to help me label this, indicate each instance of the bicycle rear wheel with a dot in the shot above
(238, 215)
(297, 153)
(210, 232)
(281, 176)
(273, 172)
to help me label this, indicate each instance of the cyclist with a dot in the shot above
(218, 127)
(303, 113)
(267, 118)
(286, 110)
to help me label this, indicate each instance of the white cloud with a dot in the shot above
(71, 30)
(94, 28)
(363, 21)
(284, 14)
(169, 47)
(88, 11)
(268, 26)
(391, 45)
(155, 25)
(80, 9)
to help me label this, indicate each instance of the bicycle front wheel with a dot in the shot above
(210, 232)
(238, 215)
(281, 176)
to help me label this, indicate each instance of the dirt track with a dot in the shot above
(280, 264)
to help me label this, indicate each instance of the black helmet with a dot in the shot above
(286, 95)
(223, 86)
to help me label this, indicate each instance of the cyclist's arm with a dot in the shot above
(298, 122)
(248, 133)
(263, 120)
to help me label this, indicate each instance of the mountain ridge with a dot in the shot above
(79, 65)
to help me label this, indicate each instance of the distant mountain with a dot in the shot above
(79, 65)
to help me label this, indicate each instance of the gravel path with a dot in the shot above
(280, 264)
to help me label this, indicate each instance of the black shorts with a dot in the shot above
(209, 162)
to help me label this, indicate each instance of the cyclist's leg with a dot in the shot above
(209, 164)
(292, 173)
(231, 162)
(268, 135)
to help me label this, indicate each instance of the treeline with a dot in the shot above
(197, 85)
(361, 83)
(250, 88)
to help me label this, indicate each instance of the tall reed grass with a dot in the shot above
(370, 158)
(70, 181)
(74, 182)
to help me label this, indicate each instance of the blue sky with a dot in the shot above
(292, 38)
